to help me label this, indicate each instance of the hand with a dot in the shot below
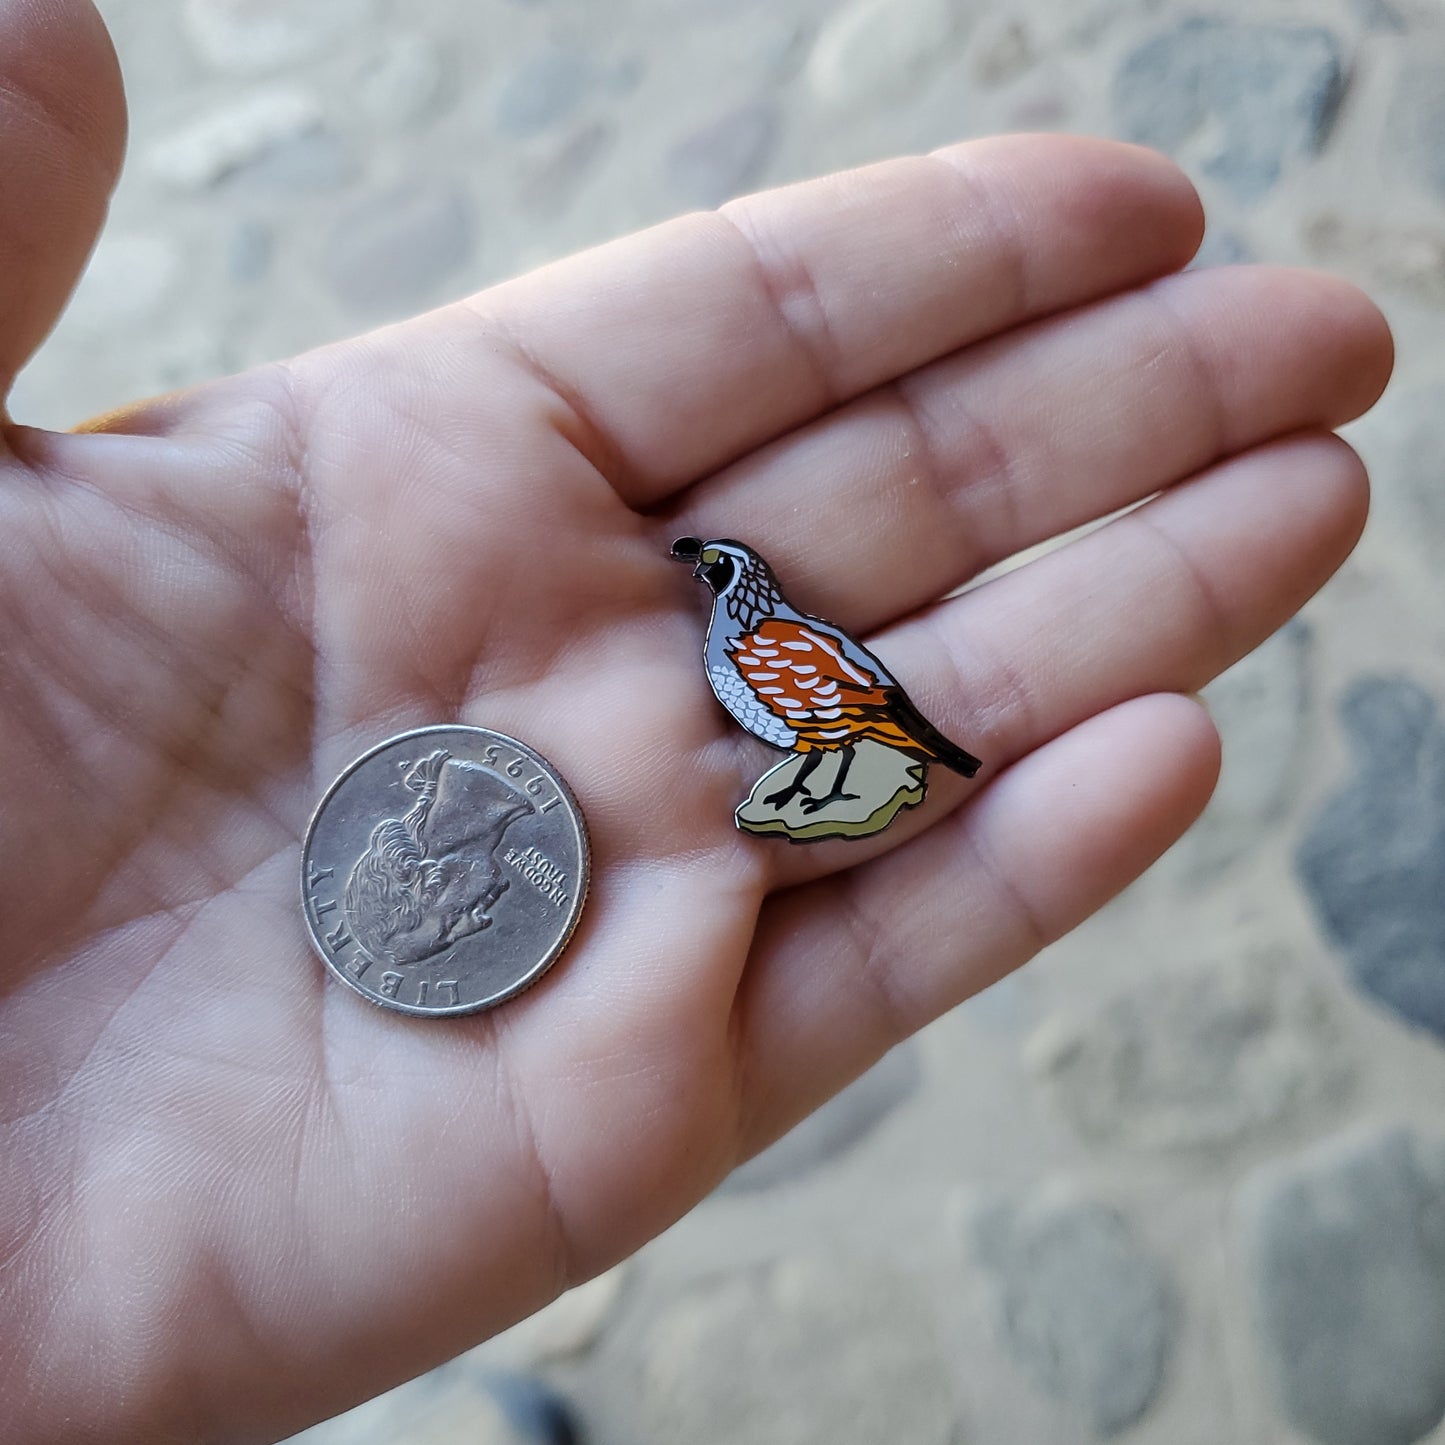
(233, 1196)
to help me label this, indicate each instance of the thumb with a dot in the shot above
(62, 139)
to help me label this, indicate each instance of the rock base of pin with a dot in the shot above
(885, 781)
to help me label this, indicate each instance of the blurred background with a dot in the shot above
(1183, 1179)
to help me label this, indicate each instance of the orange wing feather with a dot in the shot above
(802, 675)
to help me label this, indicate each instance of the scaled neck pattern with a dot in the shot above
(752, 599)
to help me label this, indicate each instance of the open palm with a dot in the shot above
(234, 1197)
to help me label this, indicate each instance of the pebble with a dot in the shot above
(459, 1404)
(1003, 54)
(838, 1126)
(837, 1351)
(1415, 126)
(305, 164)
(1199, 1059)
(251, 250)
(200, 154)
(1374, 860)
(1080, 1307)
(1379, 15)
(1244, 100)
(1347, 1248)
(543, 90)
(535, 1413)
(394, 248)
(548, 184)
(1404, 438)
(403, 85)
(1410, 260)
(1261, 706)
(725, 157)
(254, 36)
(873, 51)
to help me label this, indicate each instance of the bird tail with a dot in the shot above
(928, 737)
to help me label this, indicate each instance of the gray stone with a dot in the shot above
(536, 1412)
(1409, 259)
(834, 1129)
(459, 1404)
(1379, 15)
(1261, 96)
(317, 160)
(404, 84)
(1081, 1308)
(805, 1352)
(548, 184)
(1261, 706)
(1404, 439)
(1373, 862)
(873, 51)
(235, 135)
(1347, 1249)
(724, 157)
(1003, 53)
(395, 248)
(1416, 122)
(1197, 1060)
(250, 253)
(543, 90)
(254, 36)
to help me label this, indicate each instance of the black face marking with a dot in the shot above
(717, 574)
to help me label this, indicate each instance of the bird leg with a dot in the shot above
(784, 796)
(836, 794)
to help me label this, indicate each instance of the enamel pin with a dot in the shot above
(806, 687)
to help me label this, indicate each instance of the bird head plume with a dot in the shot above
(740, 581)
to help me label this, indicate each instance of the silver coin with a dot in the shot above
(444, 871)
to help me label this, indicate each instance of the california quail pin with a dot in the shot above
(804, 686)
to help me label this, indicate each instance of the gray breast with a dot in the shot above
(740, 700)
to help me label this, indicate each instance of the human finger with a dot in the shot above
(683, 347)
(909, 492)
(1162, 599)
(62, 137)
(844, 968)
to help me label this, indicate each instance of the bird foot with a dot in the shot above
(813, 805)
(784, 796)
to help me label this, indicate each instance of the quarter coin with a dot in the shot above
(444, 871)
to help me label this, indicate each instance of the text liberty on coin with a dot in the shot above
(444, 871)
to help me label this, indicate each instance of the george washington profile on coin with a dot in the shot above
(407, 862)
(430, 877)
